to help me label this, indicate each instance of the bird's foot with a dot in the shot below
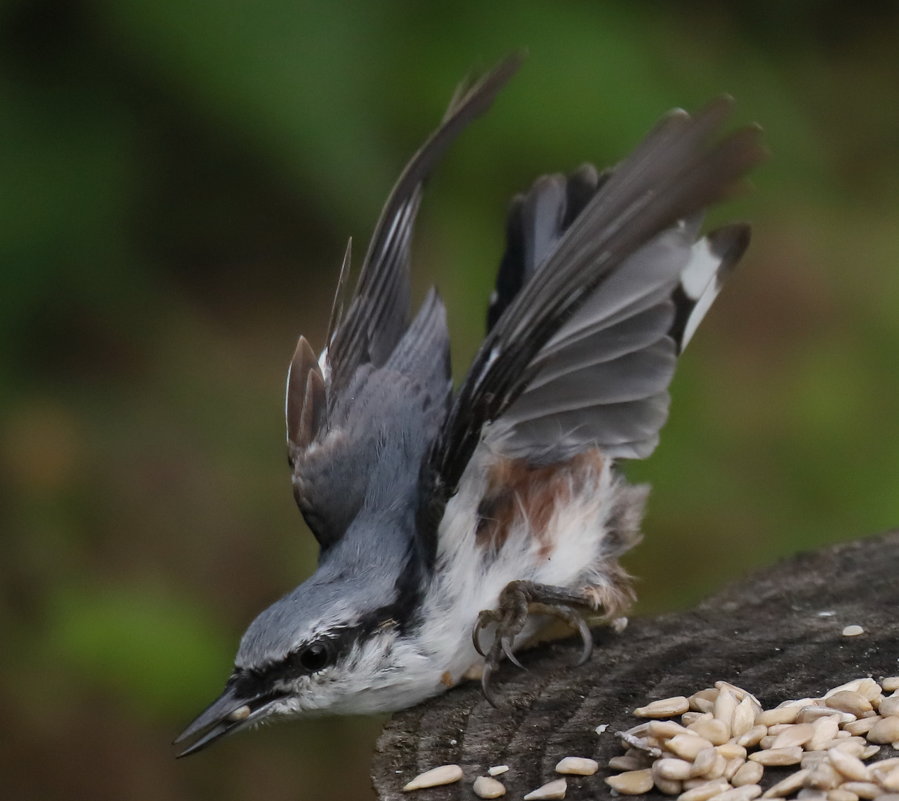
(518, 600)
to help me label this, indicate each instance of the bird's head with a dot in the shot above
(314, 651)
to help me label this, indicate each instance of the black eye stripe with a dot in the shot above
(257, 681)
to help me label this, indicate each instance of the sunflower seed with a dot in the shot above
(779, 727)
(626, 763)
(752, 737)
(665, 729)
(725, 706)
(788, 785)
(744, 717)
(705, 762)
(839, 794)
(687, 746)
(713, 730)
(487, 787)
(671, 768)
(669, 786)
(553, 789)
(824, 776)
(704, 700)
(771, 717)
(797, 734)
(498, 770)
(718, 767)
(825, 729)
(744, 793)
(809, 714)
(853, 631)
(778, 756)
(869, 688)
(885, 765)
(732, 766)
(663, 708)
(863, 789)
(851, 767)
(241, 713)
(889, 706)
(435, 777)
(886, 730)
(731, 750)
(631, 782)
(849, 745)
(890, 780)
(851, 686)
(849, 701)
(862, 726)
(577, 766)
(705, 790)
(811, 759)
(749, 773)
(799, 702)
(890, 684)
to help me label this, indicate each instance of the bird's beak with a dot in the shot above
(226, 715)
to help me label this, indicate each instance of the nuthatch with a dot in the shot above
(446, 520)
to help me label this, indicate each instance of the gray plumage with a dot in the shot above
(602, 284)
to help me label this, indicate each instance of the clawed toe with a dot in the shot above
(517, 601)
(506, 643)
(586, 641)
(571, 616)
(485, 685)
(485, 618)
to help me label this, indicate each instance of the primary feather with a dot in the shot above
(342, 408)
(592, 268)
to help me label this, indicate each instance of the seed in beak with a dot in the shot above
(239, 714)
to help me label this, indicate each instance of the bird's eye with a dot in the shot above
(314, 657)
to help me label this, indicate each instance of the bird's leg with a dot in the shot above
(518, 600)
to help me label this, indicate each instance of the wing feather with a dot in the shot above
(540, 386)
(378, 314)
(381, 382)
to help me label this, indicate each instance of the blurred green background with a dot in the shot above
(179, 179)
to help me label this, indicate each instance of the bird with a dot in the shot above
(453, 524)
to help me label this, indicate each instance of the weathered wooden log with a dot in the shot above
(777, 633)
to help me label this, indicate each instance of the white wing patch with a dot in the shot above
(701, 283)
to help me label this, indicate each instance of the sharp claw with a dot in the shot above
(517, 600)
(485, 685)
(476, 638)
(506, 643)
(587, 639)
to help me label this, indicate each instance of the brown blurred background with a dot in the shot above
(178, 182)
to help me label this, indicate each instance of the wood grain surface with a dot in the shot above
(777, 633)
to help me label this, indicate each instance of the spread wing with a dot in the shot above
(375, 364)
(602, 283)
